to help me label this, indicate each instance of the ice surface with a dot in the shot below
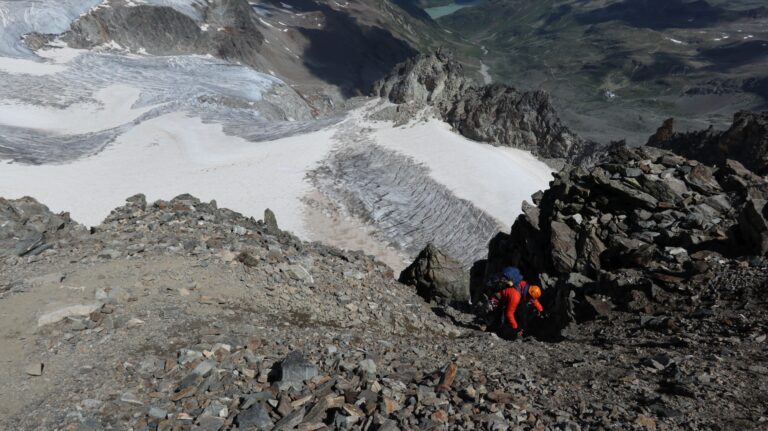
(212, 89)
(424, 183)
(463, 182)
(113, 108)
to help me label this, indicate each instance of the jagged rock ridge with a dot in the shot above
(495, 113)
(642, 224)
(746, 141)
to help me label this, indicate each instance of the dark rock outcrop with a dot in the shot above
(745, 141)
(640, 223)
(28, 228)
(228, 31)
(499, 114)
(437, 276)
(270, 220)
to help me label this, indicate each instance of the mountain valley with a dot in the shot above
(300, 215)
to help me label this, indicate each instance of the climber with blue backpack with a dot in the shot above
(505, 295)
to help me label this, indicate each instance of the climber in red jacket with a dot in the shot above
(510, 299)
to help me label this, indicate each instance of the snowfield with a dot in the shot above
(176, 153)
(112, 107)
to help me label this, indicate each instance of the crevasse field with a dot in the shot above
(81, 130)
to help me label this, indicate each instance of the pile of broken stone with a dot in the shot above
(214, 386)
(642, 228)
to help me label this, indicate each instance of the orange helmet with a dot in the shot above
(535, 292)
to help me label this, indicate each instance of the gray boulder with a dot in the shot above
(563, 246)
(437, 276)
(255, 417)
(270, 220)
(294, 370)
(753, 225)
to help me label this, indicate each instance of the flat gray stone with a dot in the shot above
(204, 368)
(295, 369)
(35, 369)
(131, 398)
(157, 413)
(256, 417)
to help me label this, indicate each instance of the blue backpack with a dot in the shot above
(513, 274)
(499, 282)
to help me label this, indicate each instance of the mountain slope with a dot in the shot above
(616, 69)
(182, 315)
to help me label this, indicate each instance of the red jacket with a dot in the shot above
(510, 299)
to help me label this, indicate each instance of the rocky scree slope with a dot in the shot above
(496, 113)
(745, 141)
(185, 226)
(201, 319)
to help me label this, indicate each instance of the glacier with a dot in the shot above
(235, 96)
(81, 130)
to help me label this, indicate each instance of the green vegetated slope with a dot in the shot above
(616, 69)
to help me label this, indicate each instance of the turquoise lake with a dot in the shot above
(441, 11)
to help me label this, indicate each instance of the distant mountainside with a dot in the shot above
(309, 44)
(617, 69)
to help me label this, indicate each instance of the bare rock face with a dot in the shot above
(495, 113)
(426, 80)
(746, 141)
(227, 31)
(437, 276)
(526, 120)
